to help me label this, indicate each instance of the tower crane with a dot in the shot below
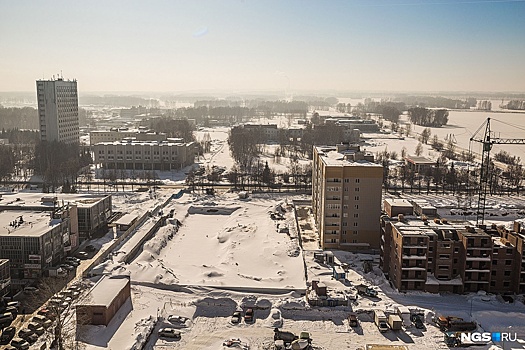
(487, 140)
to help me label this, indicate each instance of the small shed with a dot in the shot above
(104, 300)
(338, 273)
(125, 222)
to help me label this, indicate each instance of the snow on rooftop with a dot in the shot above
(106, 290)
(33, 223)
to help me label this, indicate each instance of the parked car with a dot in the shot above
(30, 290)
(67, 267)
(236, 317)
(42, 321)
(352, 320)
(20, 343)
(82, 255)
(248, 315)
(7, 334)
(178, 321)
(28, 335)
(72, 263)
(90, 248)
(36, 328)
(169, 333)
(46, 313)
(418, 322)
(72, 258)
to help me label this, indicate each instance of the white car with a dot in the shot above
(169, 333)
(178, 321)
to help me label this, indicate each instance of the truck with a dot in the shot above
(380, 321)
(395, 322)
(404, 313)
(363, 289)
(455, 324)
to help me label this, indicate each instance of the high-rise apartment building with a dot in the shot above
(58, 110)
(346, 198)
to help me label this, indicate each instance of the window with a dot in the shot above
(357, 189)
(494, 262)
(356, 198)
(356, 215)
(508, 262)
(356, 206)
(506, 273)
(444, 256)
(356, 181)
(355, 232)
(347, 180)
(355, 224)
(506, 284)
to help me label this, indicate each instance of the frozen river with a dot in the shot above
(463, 124)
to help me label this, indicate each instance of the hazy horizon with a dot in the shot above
(235, 47)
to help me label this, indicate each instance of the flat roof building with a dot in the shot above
(33, 242)
(103, 300)
(58, 110)
(145, 155)
(346, 198)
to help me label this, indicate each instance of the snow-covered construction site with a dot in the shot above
(215, 255)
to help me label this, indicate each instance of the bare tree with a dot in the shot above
(419, 149)
(59, 302)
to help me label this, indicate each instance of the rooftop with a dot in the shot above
(106, 290)
(330, 156)
(33, 224)
(30, 200)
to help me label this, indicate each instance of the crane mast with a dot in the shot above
(487, 141)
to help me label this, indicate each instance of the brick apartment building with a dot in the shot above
(438, 256)
(346, 198)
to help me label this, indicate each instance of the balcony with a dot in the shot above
(477, 258)
(414, 257)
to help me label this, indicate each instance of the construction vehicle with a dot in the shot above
(285, 336)
(366, 290)
(454, 324)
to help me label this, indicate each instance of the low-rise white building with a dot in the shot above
(145, 155)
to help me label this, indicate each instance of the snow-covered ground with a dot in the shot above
(235, 257)
(229, 253)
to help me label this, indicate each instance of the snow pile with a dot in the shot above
(142, 331)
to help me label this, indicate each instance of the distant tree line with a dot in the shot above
(515, 105)
(115, 100)
(437, 102)
(428, 117)
(19, 118)
(59, 164)
(176, 128)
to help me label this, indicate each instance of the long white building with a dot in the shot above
(58, 110)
